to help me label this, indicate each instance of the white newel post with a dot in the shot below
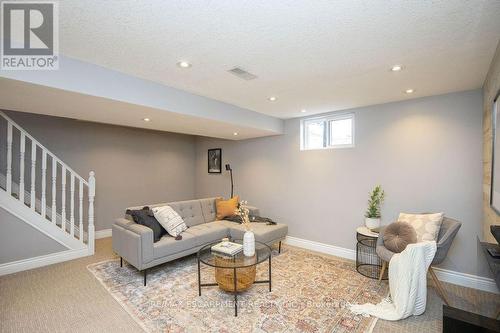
(91, 230)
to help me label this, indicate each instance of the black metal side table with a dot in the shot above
(368, 262)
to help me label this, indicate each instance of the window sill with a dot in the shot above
(328, 148)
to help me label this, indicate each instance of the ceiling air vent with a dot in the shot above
(242, 74)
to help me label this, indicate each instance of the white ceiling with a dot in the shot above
(318, 55)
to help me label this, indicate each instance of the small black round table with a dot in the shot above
(368, 262)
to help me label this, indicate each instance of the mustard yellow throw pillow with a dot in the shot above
(226, 207)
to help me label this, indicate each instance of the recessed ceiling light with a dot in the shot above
(303, 110)
(183, 64)
(409, 91)
(235, 133)
(396, 68)
(272, 98)
(146, 119)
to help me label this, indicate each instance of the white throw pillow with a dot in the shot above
(426, 225)
(170, 220)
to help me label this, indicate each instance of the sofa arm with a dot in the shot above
(133, 242)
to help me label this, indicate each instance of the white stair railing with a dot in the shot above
(84, 186)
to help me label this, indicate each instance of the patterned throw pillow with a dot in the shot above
(170, 220)
(426, 225)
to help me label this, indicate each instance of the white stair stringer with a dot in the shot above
(23, 212)
(38, 206)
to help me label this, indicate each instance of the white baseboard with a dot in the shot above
(461, 279)
(45, 260)
(321, 247)
(103, 233)
(466, 280)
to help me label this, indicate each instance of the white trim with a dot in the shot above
(445, 275)
(105, 233)
(40, 261)
(467, 280)
(321, 247)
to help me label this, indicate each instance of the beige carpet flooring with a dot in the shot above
(67, 298)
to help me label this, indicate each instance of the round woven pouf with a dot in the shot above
(245, 276)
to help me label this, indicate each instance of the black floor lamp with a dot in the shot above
(228, 168)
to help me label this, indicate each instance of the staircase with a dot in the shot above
(64, 210)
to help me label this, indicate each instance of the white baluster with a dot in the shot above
(63, 198)
(21, 167)
(72, 205)
(54, 190)
(33, 175)
(91, 229)
(80, 211)
(9, 159)
(43, 210)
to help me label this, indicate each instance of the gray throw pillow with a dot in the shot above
(398, 235)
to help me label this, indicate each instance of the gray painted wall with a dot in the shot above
(133, 166)
(19, 240)
(425, 152)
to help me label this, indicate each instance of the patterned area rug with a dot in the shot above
(310, 294)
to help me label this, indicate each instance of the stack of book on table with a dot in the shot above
(227, 248)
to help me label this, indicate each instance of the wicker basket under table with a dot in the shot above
(245, 276)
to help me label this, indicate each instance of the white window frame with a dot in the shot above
(326, 138)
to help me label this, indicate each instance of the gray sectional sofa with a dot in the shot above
(134, 242)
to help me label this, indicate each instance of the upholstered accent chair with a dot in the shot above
(447, 233)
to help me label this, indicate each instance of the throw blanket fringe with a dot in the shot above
(407, 284)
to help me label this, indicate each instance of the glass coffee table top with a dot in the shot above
(262, 253)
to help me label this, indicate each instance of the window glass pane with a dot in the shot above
(341, 132)
(314, 133)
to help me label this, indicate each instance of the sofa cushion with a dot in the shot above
(190, 211)
(208, 209)
(208, 232)
(167, 245)
(263, 232)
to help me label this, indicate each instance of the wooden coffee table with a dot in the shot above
(234, 274)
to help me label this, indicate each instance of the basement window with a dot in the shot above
(332, 131)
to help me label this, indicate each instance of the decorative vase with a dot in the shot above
(248, 244)
(372, 223)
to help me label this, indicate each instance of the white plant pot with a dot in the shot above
(372, 223)
(248, 244)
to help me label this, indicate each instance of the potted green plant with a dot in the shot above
(372, 215)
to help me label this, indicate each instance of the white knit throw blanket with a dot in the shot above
(407, 284)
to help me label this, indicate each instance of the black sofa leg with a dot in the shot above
(145, 273)
(279, 247)
(121, 262)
